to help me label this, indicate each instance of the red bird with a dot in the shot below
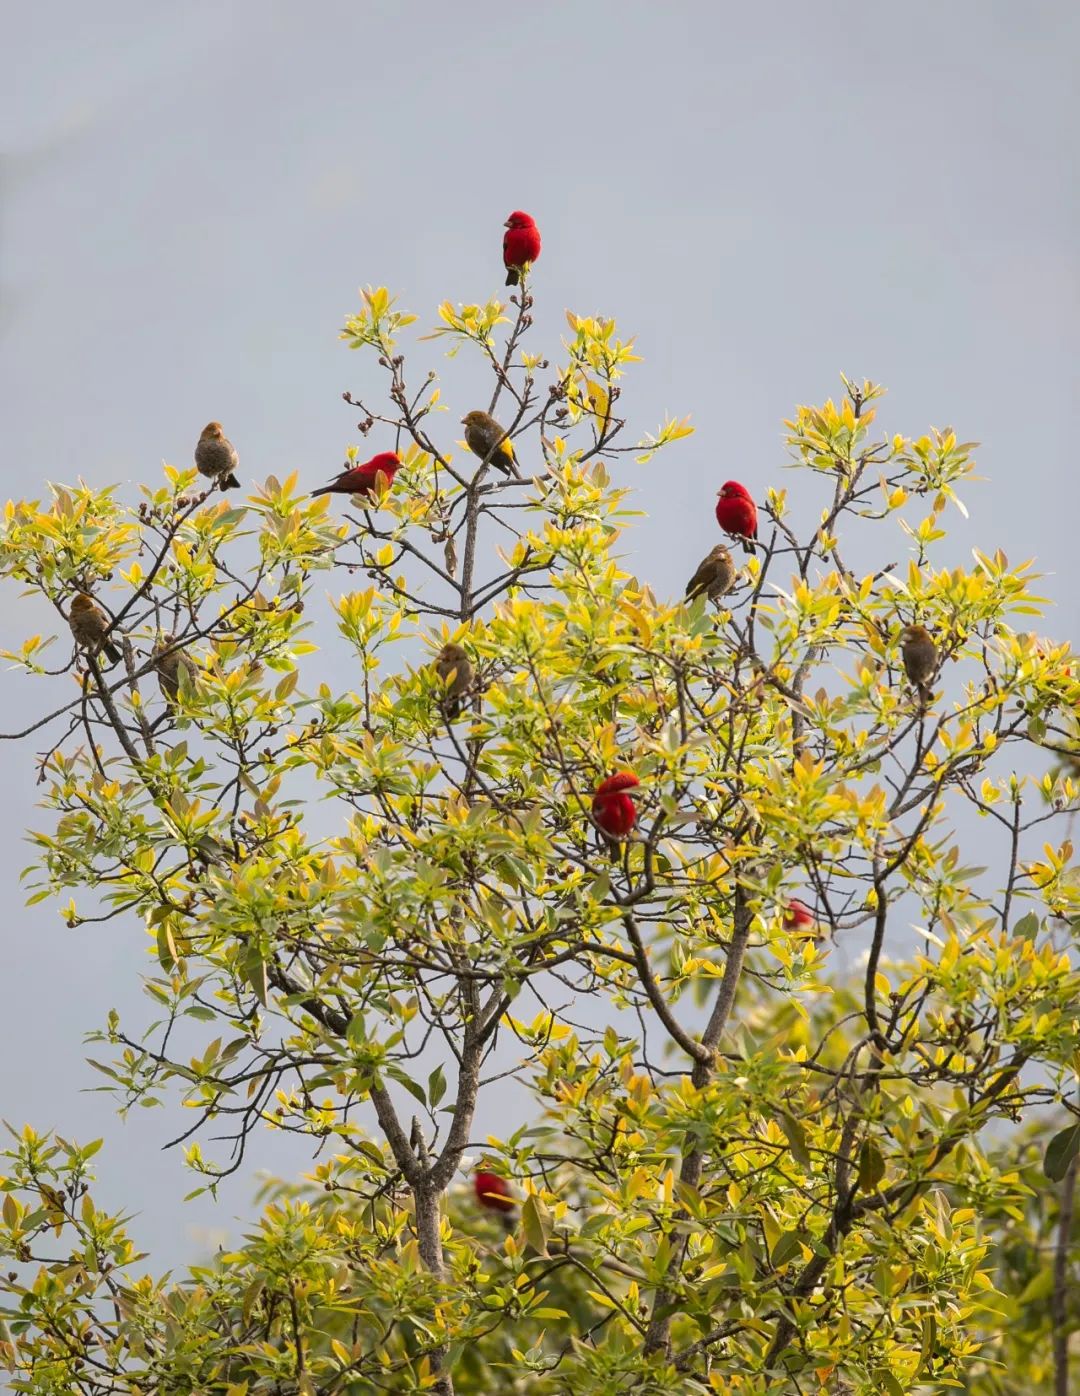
(613, 810)
(736, 513)
(493, 1194)
(799, 919)
(360, 479)
(521, 245)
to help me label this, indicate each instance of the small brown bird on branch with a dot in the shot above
(216, 457)
(90, 625)
(920, 656)
(169, 668)
(483, 435)
(456, 673)
(715, 575)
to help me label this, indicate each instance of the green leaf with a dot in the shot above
(787, 1248)
(413, 1087)
(253, 968)
(1060, 1152)
(871, 1166)
(929, 1338)
(1038, 1288)
(536, 1222)
(795, 1137)
(166, 948)
(436, 1086)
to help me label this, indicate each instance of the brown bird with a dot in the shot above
(483, 435)
(170, 667)
(216, 457)
(89, 625)
(456, 673)
(920, 657)
(715, 575)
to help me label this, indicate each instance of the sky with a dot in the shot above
(764, 196)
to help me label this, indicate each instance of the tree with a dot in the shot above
(740, 1172)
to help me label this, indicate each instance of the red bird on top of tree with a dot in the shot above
(494, 1195)
(521, 245)
(799, 919)
(736, 513)
(360, 479)
(613, 810)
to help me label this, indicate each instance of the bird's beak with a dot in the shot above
(507, 224)
(463, 421)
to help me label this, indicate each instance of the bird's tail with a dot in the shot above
(513, 276)
(112, 654)
(453, 708)
(326, 489)
(749, 546)
(230, 482)
(509, 1221)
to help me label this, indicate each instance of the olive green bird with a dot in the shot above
(169, 665)
(483, 435)
(456, 673)
(920, 656)
(90, 625)
(715, 575)
(216, 457)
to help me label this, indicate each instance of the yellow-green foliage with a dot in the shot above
(743, 1168)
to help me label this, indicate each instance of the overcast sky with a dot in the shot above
(765, 195)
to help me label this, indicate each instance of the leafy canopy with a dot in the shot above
(741, 1168)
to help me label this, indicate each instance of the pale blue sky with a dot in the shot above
(765, 195)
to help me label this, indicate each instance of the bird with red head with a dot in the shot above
(736, 513)
(521, 245)
(613, 809)
(799, 919)
(363, 479)
(493, 1194)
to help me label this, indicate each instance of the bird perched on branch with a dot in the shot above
(483, 435)
(920, 656)
(169, 666)
(736, 513)
(90, 625)
(715, 575)
(613, 809)
(494, 1195)
(521, 245)
(363, 479)
(799, 919)
(456, 673)
(216, 457)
